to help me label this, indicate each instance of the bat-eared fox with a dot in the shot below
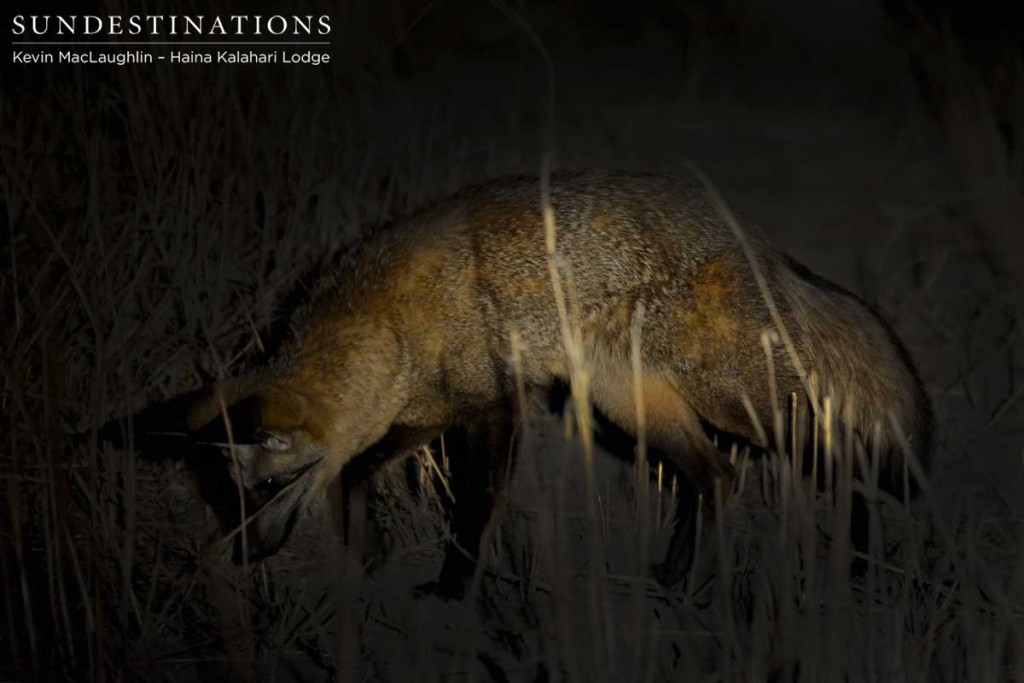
(412, 336)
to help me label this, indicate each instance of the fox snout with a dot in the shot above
(275, 494)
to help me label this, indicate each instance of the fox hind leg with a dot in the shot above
(704, 469)
(682, 548)
(674, 429)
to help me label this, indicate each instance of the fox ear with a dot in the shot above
(180, 416)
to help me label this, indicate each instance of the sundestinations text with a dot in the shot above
(170, 25)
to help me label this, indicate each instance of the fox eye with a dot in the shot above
(267, 486)
(274, 443)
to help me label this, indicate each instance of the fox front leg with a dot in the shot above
(480, 458)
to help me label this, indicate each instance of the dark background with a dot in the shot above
(156, 219)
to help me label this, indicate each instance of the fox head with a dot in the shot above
(289, 429)
(278, 451)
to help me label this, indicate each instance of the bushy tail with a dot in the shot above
(865, 369)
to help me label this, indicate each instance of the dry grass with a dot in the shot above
(155, 223)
